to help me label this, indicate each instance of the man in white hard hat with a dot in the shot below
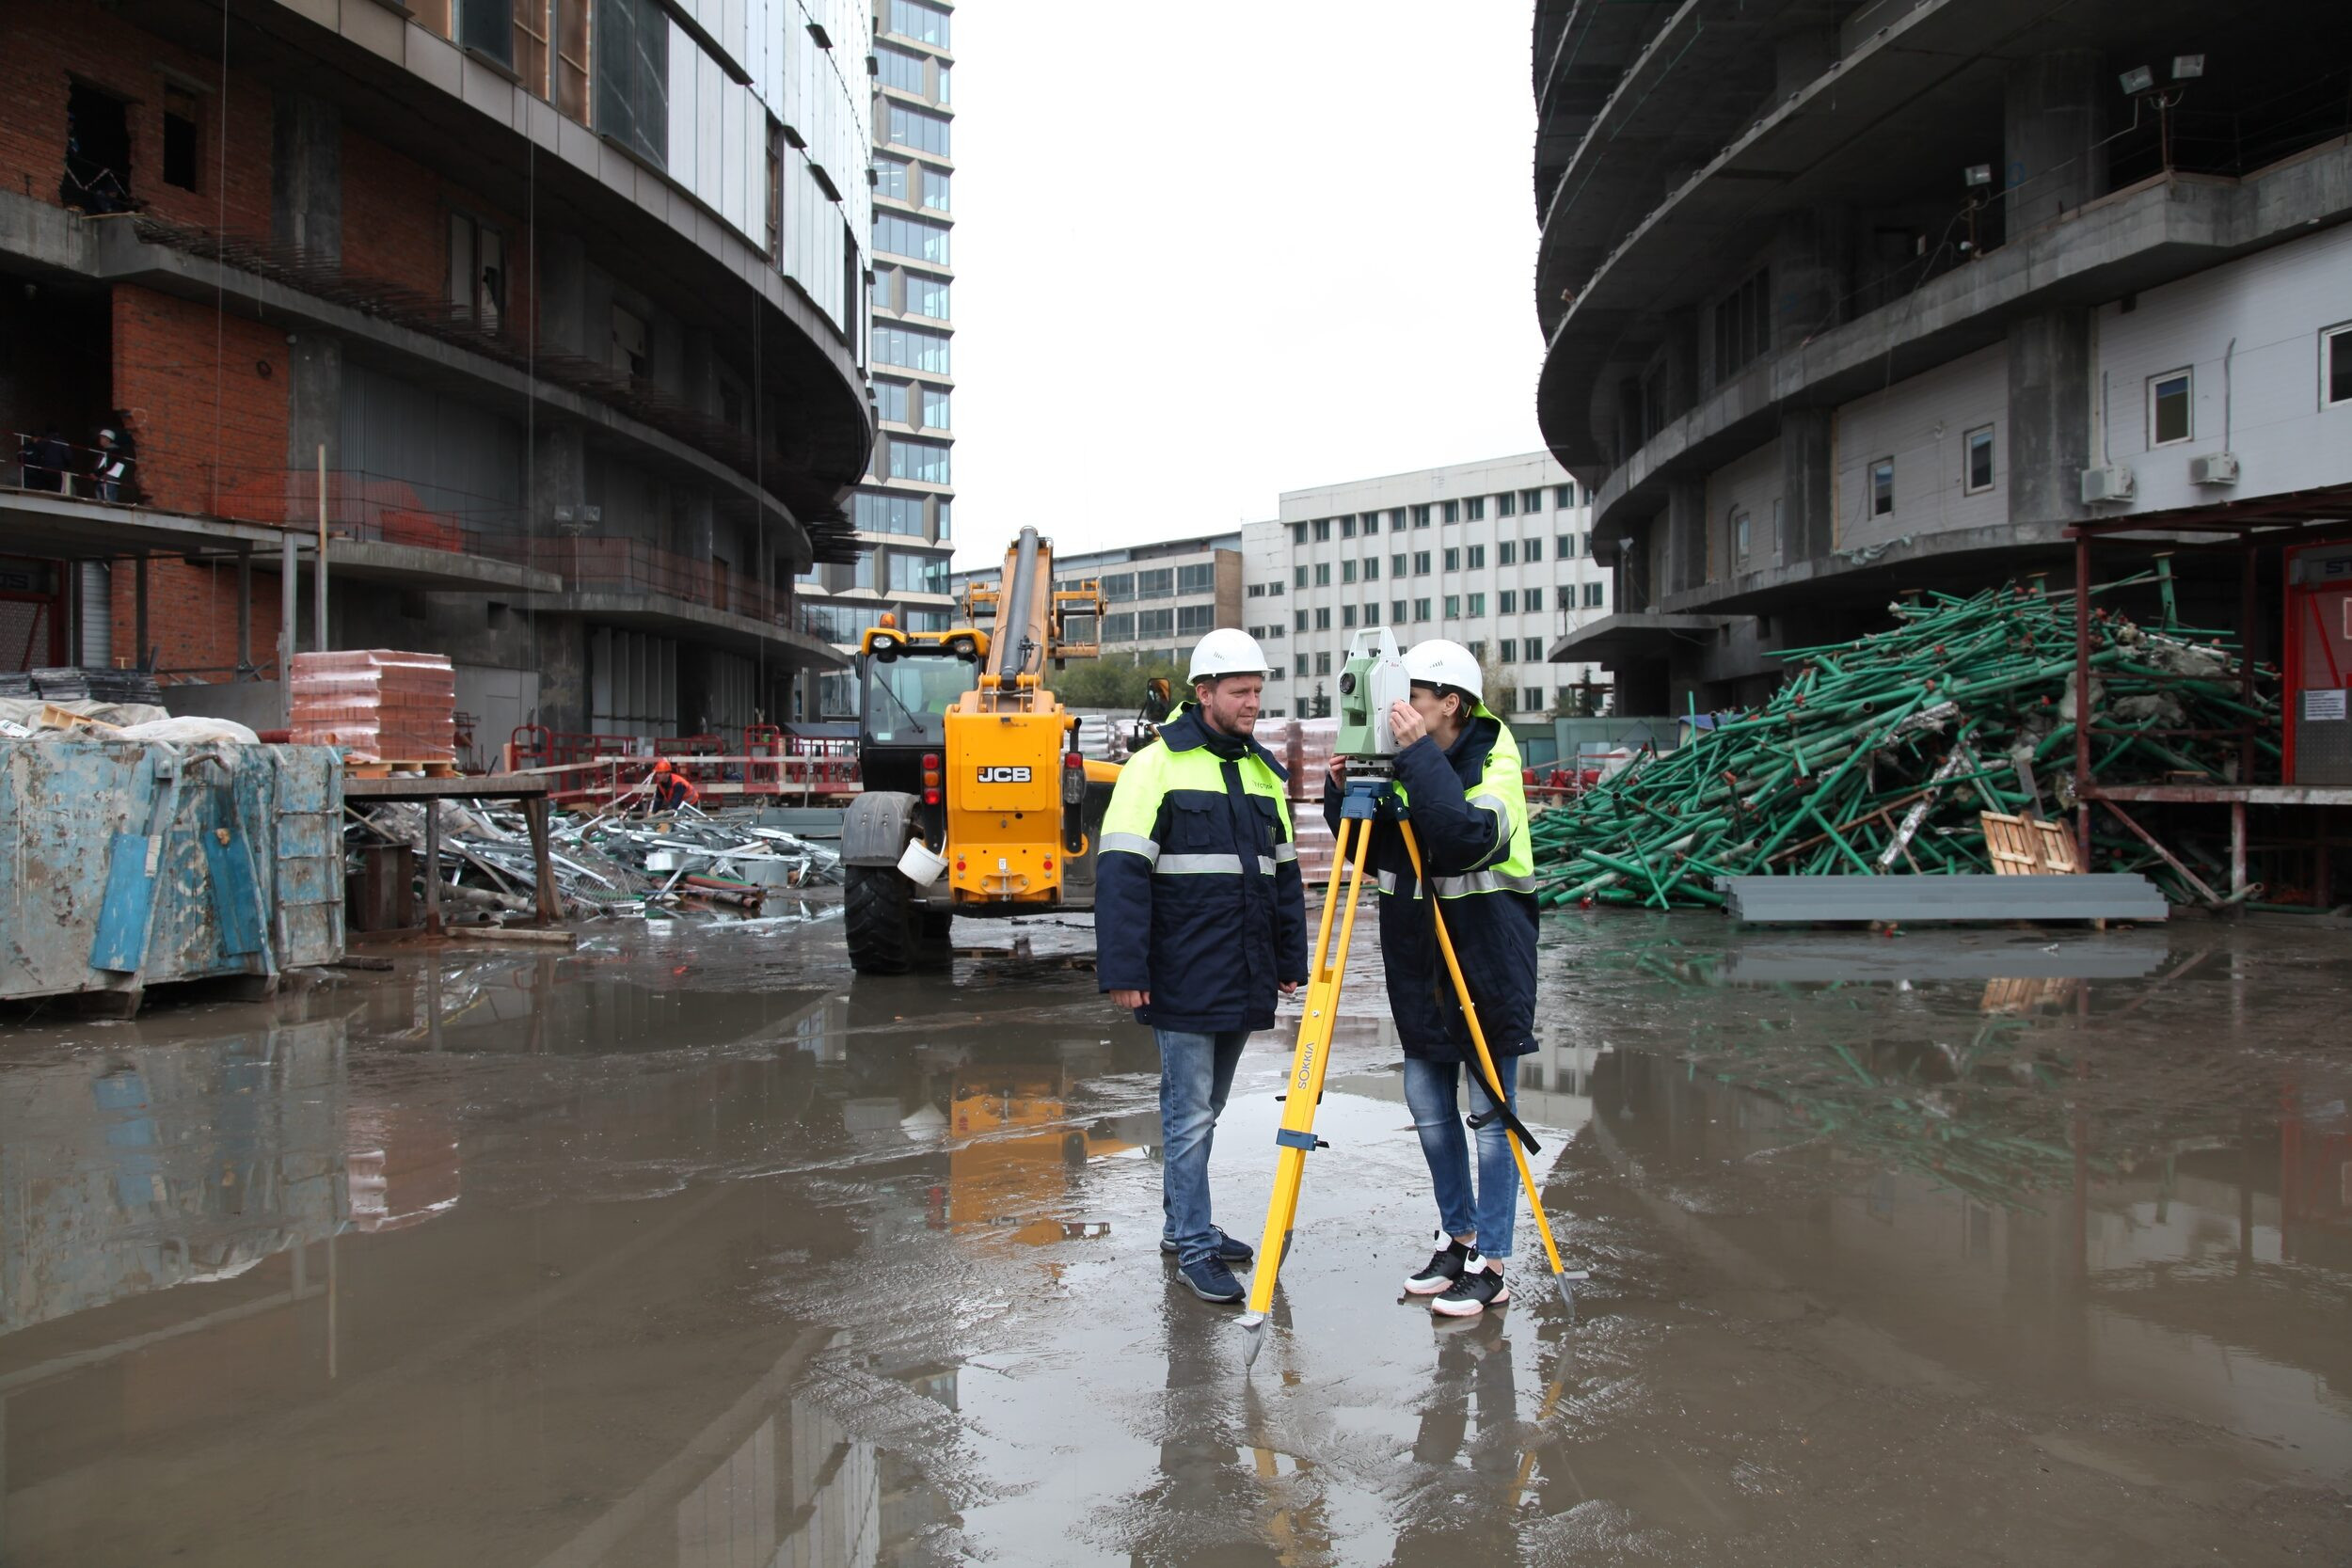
(1200, 920)
(1458, 775)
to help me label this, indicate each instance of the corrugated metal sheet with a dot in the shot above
(1917, 900)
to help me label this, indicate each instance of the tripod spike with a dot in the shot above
(1253, 1324)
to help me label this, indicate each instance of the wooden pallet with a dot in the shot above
(2028, 846)
(386, 770)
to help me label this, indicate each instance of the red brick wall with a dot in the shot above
(396, 220)
(43, 43)
(199, 451)
(192, 615)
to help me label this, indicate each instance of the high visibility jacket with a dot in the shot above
(1196, 897)
(1468, 806)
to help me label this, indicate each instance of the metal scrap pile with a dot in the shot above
(1877, 756)
(606, 864)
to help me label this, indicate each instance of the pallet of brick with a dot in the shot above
(377, 705)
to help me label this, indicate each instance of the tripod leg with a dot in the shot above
(1560, 1275)
(1309, 1061)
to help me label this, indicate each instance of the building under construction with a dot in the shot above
(539, 324)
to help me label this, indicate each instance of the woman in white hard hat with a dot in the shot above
(1458, 769)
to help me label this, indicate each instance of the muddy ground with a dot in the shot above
(688, 1249)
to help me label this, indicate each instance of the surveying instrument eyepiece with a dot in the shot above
(1371, 683)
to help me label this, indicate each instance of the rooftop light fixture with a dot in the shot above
(2137, 80)
(2188, 68)
(1979, 174)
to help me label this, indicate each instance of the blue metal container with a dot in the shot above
(129, 863)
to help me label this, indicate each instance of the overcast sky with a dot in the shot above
(1210, 251)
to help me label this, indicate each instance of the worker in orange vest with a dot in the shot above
(670, 790)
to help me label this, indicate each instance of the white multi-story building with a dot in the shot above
(1496, 555)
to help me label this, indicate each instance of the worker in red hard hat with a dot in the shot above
(669, 789)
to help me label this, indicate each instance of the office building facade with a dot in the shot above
(1841, 300)
(903, 511)
(1495, 555)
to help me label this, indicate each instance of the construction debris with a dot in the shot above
(1877, 756)
(605, 865)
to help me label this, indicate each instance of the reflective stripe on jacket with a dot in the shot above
(1468, 810)
(1196, 894)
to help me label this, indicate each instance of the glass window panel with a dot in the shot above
(902, 70)
(632, 66)
(891, 177)
(890, 399)
(2169, 408)
(935, 411)
(901, 235)
(918, 129)
(927, 296)
(936, 188)
(912, 348)
(926, 461)
(912, 19)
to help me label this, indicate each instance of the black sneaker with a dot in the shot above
(1228, 1249)
(1443, 1269)
(1211, 1280)
(1479, 1286)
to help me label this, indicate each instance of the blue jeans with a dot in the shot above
(1196, 1074)
(1430, 1089)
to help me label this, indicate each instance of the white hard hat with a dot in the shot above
(1441, 662)
(1227, 651)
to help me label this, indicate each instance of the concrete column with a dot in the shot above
(2050, 396)
(306, 207)
(1686, 534)
(245, 609)
(563, 298)
(2053, 117)
(1808, 484)
(139, 589)
(314, 408)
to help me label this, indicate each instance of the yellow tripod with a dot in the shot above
(1311, 1059)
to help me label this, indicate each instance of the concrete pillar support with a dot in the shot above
(2054, 114)
(1808, 484)
(307, 176)
(1686, 534)
(2050, 398)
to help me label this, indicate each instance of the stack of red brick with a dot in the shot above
(378, 705)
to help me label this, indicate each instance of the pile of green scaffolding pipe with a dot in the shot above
(1876, 755)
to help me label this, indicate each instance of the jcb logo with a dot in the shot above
(1004, 775)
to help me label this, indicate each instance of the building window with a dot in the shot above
(1298, 665)
(1323, 531)
(1372, 568)
(891, 402)
(1420, 609)
(1347, 526)
(1192, 620)
(1197, 579)
(935, 409)
(899, 514)
(571, 59)
(477, 270)
(1421, 517)
(1159, 584)
(181, 142)
(1420, 563)
(1507, 552)
(1477, 558)
(937, 183)
(1564, 496)
(2167, 409)
(632, 342)
(632, 65)
(919, 239)
(1742, 324)
(1155, 623)
(1477, 606)
(1298, 620)
(1882, 488)
(890, 178)
(1534, 600)
(1273, 590)
(1396, 611)
(1453, 557)
(1323, 664)
(1372, 614)
(1371, 523)
(919, 129)
(1739, 534)
(924, 461)
(1510, 645)
(896, 68)
(1534, 550)
(1347, 616)
(1323, 618)
(1323, 574)
(1508, 602)
(1119, 627)
(1298, 533)
(1592, 595)
(1568, 546)
(917, 574)
(912, 19)
(1454, 512)
(1979, 459)
(2335, 365)
(775, 184)
(1453, 606)
(912, 348)
(1396, 566)
(1255, 591)
(1347, 571)
(1530, 699)
(1532, 500)
(1477, 650)
(1507, 504)
(1119, 586)
(1477, 505)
